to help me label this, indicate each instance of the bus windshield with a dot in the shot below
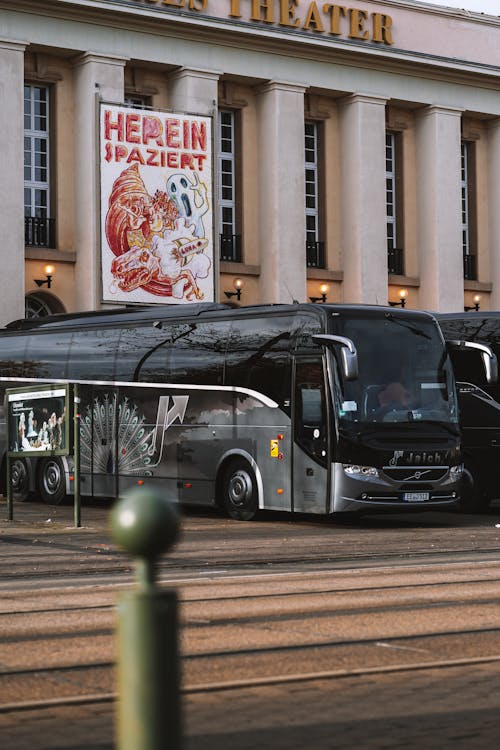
(405, 374)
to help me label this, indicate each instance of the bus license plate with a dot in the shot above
(415, 497)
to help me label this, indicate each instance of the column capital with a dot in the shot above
(209, 75)
(359, 98)
(96, 57)
(14, 45)
(440, 109)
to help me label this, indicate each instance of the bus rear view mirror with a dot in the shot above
(348, 353)
(488, 356)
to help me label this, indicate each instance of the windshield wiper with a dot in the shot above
(408, 325)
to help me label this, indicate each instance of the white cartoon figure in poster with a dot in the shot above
(190, 199)
(156, 244)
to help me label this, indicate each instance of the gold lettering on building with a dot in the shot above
(382, 28)
(287, 13)
(336, 12)
(357, 24)
(313, 19)
(329, 18)
(235, 9)
(262, 10)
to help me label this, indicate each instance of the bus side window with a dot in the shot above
(93, 354)
(47, 355)
(310, 409)
(188, 352)
(13, 356)
(258, 357)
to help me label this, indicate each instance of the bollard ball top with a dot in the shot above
(145, 523)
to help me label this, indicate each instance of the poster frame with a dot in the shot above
(140, 296)
(31, 391)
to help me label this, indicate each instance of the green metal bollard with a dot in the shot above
(145, 524)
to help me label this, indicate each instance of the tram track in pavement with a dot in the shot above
(258, 640)
(242, 684)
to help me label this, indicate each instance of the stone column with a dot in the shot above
(439, 218)
(196, 92)
(494, 211)
(193, 91)
(281, 187)
(96, 77)
(12, 181)
(363, 201)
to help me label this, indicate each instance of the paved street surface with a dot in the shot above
(448, 707)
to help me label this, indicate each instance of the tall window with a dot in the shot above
(230, 241)
(468, 210)
(36, 164)
(314, 247)
(393, 199)
(138, 101)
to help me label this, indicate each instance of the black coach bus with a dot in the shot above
(479, 400)
(308, 408)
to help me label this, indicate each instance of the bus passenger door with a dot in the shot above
(310, 430)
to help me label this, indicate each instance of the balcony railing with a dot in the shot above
(470, 267)
(230, 247)
(39, 232)
(315, 253)
(395, 261)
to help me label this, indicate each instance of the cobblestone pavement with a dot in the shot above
(437, 709)
(452, 709)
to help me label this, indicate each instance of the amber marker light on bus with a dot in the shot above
(140, 482)
(280, 491)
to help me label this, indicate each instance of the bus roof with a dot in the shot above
(138, 313)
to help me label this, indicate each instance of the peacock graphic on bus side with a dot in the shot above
(116, 438)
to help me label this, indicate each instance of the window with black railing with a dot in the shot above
(39, 232)
(393, 203)
(315, 248)
(395, 260)
(39, 227)
(315, 254)
(230, 240)
(470, 267)
(468, 210)
(230, 247)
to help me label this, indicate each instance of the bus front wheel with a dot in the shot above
(19, 479)
(474, 499)
(239, 489)
(52, 480)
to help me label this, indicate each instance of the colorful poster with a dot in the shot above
(38, 420)
(156, 206)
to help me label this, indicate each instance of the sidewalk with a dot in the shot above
(454, 709)
(447, 709)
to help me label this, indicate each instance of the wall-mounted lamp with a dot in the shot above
(48, 271)
(238, 285)
(475, 306)
(403, 293)
(324, 289)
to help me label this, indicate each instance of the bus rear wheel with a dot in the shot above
(19, 479)
(239, 491)
(52, 480)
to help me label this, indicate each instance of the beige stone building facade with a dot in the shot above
(356, 147)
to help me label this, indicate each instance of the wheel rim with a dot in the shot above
(19, 477)
(52, 477)
(240, 489)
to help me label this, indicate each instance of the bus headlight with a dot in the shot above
(456, 471)
(354, 470)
